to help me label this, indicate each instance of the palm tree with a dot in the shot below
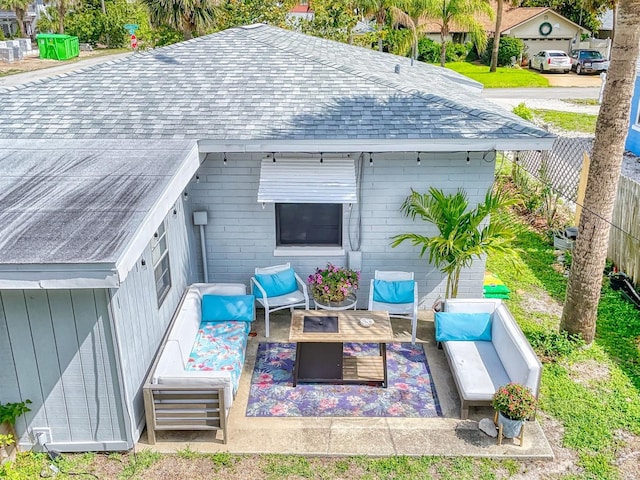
(188, 16)
(62, 7)
(590, 250)
(378, 9)
(463, 234)
(417, 14)
(19, 7)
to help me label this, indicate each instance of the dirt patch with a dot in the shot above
(587, 372)
(29, 64)
(542, 302)
(628, 458)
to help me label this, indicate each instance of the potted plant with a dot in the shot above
(5, 441)
(464, 233)
(333, 285)
(514, 403)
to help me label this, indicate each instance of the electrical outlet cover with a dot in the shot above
(41, 435)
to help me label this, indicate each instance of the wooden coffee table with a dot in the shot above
(319, 354)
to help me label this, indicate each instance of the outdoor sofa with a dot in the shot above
(484, 351)
(194, 376)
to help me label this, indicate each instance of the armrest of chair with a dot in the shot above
(303, 285)
(265, 299)
(370, 306)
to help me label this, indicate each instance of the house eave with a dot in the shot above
(58, 276)
(374, 145)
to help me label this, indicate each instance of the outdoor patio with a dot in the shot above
(446, 435)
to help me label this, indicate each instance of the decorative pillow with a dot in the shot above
(222, 308)
(400, 291)
(276, 284)
(463, 326)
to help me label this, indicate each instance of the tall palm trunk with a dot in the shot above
(496, 37)
(21, 13)
(444, 32)
(585, 279)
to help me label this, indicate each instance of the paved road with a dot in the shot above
(545, 98)
(20, 78)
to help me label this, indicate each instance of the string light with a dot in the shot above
(370, 158)
(468, 159)
(274, 156)
(224, 160)
(321, 159)
(418, 160)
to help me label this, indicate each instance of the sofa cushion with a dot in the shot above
(276, 284)
(514, 350)
(220, 347)
(477, 367)
(221, 308)
(187, 323)
(462, 326)
(399, 291)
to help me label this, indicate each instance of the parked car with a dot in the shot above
(588, 61)
(551, 61)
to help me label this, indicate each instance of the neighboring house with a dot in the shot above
(607, 24)
(540, 28)
(299, 149)
(301, 11)
(633, 137)
(9, 22)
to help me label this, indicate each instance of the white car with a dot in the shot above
(551, 61)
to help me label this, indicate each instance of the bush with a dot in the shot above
(509, 48)
(429, 51)
(523, 111)
(1, 35)
(552, 345)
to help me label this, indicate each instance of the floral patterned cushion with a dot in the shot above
(220, 347)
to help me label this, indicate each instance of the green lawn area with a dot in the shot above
(575, 122)
(593, 392)
(502, 78)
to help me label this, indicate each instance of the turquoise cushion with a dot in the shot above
(276, 284)
(400, 291)
(463, 326)
(222, 308)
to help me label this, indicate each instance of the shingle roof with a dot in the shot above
(71, 201)
(258, 82)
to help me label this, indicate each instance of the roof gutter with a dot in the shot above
(375, 145)
(58, 276)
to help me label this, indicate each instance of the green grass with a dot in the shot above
(574, 122)
(502, 78)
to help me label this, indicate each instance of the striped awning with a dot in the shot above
(307, 181)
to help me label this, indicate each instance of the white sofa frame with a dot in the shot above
(192, 400)
(530, 366)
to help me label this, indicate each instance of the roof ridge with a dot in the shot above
(472, 111)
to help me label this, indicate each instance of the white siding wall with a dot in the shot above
(60, 356)
(140, 324)
(241, 233)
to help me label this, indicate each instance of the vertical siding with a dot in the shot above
(140, 324)
(241, 233)
(633, 138)
(60, 356)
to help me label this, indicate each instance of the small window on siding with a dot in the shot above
(308, 224)
(160, 258)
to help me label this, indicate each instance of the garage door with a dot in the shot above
(534, 45)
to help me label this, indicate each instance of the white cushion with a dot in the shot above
(471, 305)
(395, 308)
(282, 300)
(187, 323)
(477, 367)
(514, 350)
(170, 361)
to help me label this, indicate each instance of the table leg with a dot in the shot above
(383, 353)
(296, 365)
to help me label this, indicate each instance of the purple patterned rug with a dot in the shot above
(410, 392)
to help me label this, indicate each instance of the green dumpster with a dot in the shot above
(55, 46)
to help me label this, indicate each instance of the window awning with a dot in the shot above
(307, 181)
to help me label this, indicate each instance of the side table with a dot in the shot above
(348, 303)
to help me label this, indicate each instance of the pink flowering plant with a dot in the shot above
(515, 401)
(333, 284)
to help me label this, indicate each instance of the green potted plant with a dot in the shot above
(464, 233)
(5, 441)
(333, 285)
(514, 403)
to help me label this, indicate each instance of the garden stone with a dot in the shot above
(488, 427)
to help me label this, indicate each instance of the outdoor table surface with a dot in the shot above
(349, 327)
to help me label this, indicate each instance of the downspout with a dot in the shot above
(203, 247)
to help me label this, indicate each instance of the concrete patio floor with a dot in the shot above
(446, 435)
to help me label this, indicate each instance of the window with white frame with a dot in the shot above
(160, 260)
(309, 224)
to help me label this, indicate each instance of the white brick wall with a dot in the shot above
(241, 233)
